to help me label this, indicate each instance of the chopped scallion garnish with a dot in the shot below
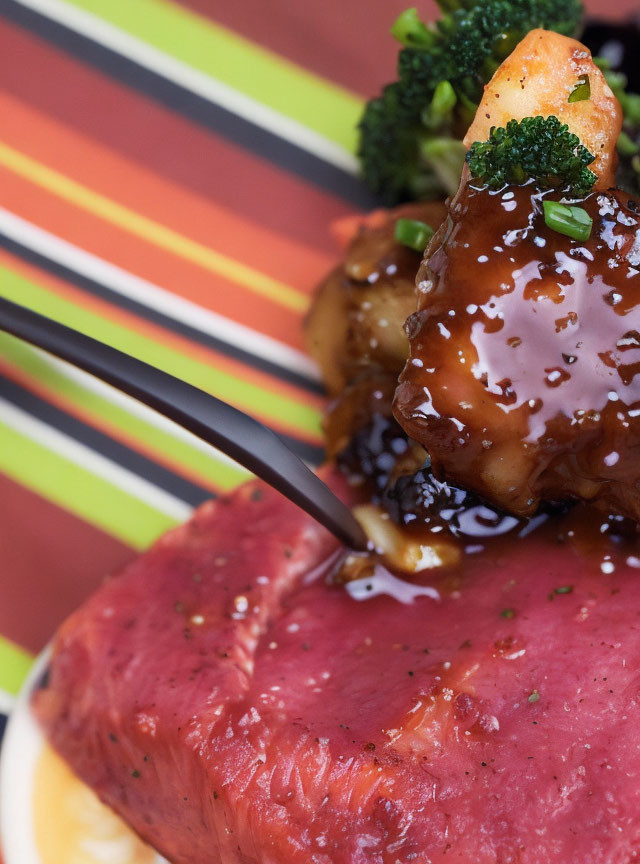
(582, 90)
(573, 222)
(413, 233)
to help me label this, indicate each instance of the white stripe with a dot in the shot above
(7, 701)
(97, 464)
(153, 296)
(137, 409)
(112, 37)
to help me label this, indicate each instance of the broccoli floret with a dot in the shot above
(410, 136)
(536, 148)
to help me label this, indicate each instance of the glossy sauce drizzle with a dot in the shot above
(522, 379)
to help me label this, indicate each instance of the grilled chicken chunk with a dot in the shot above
(525, 346)
(356, 323)
(522, 382)
(538, 79)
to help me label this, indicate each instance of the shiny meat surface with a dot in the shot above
(393, 472)
(522, 382)
(234, 707)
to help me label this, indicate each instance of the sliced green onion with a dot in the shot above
(413, 233)
(626, 145)
(573, 222)
(534, 697)
(582, 90)
(411, 31)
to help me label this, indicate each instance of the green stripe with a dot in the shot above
(326, 108)
(77, 490)
(249, 397)
(15, 664)
(205, 465)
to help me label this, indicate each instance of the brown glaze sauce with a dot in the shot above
(522, 377)
(387, 467)
(595, 541)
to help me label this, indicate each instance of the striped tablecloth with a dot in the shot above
(168, 175)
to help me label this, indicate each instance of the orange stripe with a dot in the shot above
(157, 266)
(91, 163)
(52, 396)
(173, 341)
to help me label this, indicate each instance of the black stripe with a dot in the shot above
(3, 725)
(149, 314)
(265, 144)
(135, 462)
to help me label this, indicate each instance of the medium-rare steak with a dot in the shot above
(234, 707)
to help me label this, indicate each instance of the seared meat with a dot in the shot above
(522, 382)
(234, 707)
(356, 324)
(355, 331)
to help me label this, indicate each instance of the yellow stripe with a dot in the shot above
(151, 231)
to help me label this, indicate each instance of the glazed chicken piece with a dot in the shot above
(356, 323)
(522, 381)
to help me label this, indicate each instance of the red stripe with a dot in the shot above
(163, 141)
(348, 43)
(175, 342)
(160, 267)
(133, 186)
(51, 561)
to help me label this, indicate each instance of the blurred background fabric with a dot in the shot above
(168, 176)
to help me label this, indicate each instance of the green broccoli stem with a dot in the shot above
(445, 157)
(627, 147)
(441, 107)
(411, 32)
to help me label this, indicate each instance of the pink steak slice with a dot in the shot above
(234, 708)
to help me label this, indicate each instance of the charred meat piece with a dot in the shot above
(522, 382)
(355, 331)
(356, 324)
(232, 706)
